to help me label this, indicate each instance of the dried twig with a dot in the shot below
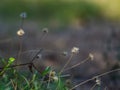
(100, 75)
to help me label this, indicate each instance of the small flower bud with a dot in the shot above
(45, 30)
(20, 32)
(98, 81)
(55, 78)
(52, 73)
(68, 82)
(64, 53)
(75, 50)
(91, 56)
(39, 56)
(23, 15)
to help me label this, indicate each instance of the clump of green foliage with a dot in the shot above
(13, 79)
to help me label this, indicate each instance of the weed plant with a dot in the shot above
(47, 79)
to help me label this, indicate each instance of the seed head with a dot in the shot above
(39, 56)
(23, 15)
(52, 76)
(98, 81)
(91, 56)
(55, 78)
(20, 32)
(68, 82)
(52, 73)
(45, 30)
(75, 50)
(64, 53)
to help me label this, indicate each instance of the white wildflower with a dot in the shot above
(52, 74)
(91, 56)
(20, 32)
(55, 78)
(75, 50)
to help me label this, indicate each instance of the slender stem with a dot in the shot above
(66, 63)
(99, 88)
(43, 36)
(13, 84)
(59, 81)
(78, 64)
(63, 69)
(16, 65)
(105, 88)
(20, 49)
(67, 75)
(93, 86)
(48, 81)
(100, 75)
(21, 23)
(36, 54)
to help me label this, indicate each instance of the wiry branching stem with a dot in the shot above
(13, 84)
(24, 64)
(66, 63)
(100, 75)
(17, 65)
(45, 32)
(78, 64)
(20, 49)
(93, 86)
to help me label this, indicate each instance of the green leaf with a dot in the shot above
(46, 71)
(11, 60)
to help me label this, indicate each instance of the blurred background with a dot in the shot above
(91, 25)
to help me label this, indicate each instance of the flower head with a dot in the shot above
(91, 56)
(52, 73)
(64, 53)
(45, 30)
(23, 15)
(52, 76)
(68, 82)
(75, 50)
(55, 78)
(98, 81)
(20, 32)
